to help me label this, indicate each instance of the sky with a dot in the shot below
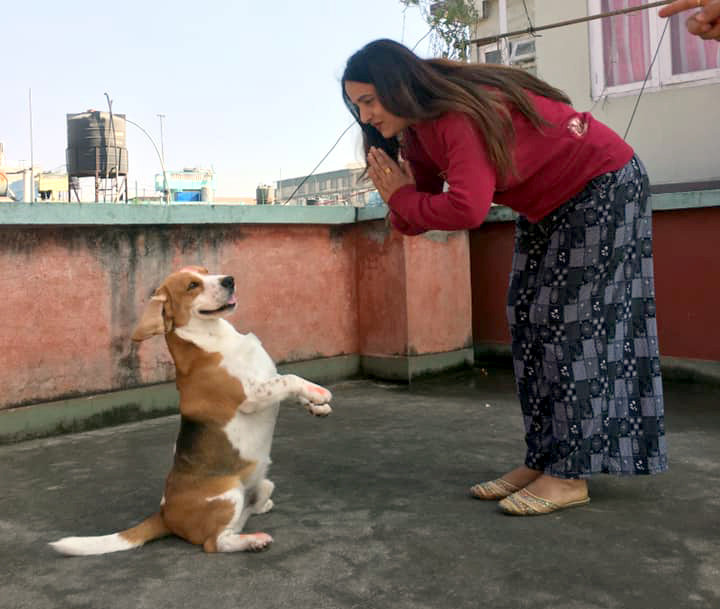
(250, 89)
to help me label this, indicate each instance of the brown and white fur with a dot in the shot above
(230, 394)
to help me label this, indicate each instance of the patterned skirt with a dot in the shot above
(581, 308)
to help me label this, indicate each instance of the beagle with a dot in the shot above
(230, 394)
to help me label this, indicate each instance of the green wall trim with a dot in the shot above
(88, 412)
(376, 212)
(406, 367)
(78, 214)
(666, 201)
(57, 214)
(673, 368)
(492, 352)
(324, 370)
(691, 370)
(117, 407)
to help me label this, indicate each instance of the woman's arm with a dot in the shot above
(470, 176)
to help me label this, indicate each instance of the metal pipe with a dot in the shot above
(162, 162)
(533, 30)
(32, 174)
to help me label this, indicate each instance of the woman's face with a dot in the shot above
(365, 98)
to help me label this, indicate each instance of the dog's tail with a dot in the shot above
(151, 528)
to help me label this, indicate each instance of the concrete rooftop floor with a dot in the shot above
(372, 512)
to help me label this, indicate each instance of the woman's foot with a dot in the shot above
(558, 490)
(506, 485)
(545, 495)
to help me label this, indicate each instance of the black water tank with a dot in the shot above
(96, 145)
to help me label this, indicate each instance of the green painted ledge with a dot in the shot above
(75, 214)
(150, 401)
(405, 368)
(667, 201)
(680, 369)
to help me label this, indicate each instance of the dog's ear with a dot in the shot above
(156, 318)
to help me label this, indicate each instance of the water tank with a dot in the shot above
(265, 194)
(96, 144)
(206, 194)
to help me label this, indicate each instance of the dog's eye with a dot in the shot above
(193, 285)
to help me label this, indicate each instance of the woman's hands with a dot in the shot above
(704, 23)
(386, 174)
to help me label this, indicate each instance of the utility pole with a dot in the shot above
(32, 157)
(162, 137)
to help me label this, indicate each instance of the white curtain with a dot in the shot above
(626, 43)
(691, 53)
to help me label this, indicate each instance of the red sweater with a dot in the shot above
(552, 165)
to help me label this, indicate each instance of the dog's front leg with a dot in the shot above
(261, 394)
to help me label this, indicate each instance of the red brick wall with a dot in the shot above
(687, 281)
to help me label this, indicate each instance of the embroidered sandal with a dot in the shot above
(493, 489)
(525, 503)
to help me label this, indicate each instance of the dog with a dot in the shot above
(230, 394)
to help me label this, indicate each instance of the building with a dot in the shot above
(188, 185)
(500, 16)
(16, 180)
(662, 107)
(603, 69)
(52, 187)
(341, 187)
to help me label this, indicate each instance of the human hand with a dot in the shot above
(704, 23)
(386, 174)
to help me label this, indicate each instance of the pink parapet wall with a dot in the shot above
(439, 294)
(414, 293)
(73, 295)
(58, 336)
(686, 270)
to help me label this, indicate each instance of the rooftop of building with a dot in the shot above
(372, 511)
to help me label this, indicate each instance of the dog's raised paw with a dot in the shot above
(316, 394)
(318, 410)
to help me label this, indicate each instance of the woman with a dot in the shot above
(581, 299)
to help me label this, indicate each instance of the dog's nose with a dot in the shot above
(228, 282)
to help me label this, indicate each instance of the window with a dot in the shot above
(622, 48)
(490, 54)
(520, 53)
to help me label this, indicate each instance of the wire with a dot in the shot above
(647, 76)
(423, 38)
(631, 9)
(307, 177)
(531, 29)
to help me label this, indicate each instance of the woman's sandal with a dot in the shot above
(493, 489)
(525, 503)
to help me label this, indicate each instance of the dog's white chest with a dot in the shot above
(243, 355)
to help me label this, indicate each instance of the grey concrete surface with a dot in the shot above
(372, 512)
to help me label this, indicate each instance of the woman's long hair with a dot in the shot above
(423, 89)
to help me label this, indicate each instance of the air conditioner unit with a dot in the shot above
(522, 50)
